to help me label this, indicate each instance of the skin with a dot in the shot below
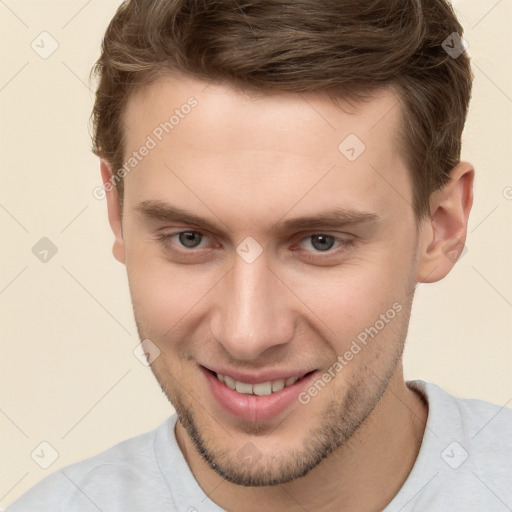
(245, 162)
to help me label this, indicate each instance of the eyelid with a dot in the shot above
(165, 237)
(299, 236)
(343, 242)
(317, 232)
(344, 239)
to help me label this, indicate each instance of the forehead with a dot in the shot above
(263, 145)
(222, 106)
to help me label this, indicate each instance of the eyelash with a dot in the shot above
(344, 244)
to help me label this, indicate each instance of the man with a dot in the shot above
(280, 175)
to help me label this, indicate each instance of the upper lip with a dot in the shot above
(259, 376)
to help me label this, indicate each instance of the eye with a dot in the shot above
(322, 244)
(190, 239)
(187, 239)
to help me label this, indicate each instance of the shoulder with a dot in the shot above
(468, 418)
(465, 459)
(111, 477)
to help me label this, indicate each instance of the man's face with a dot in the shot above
(251, 296)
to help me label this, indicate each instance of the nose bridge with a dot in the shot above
(252, 315)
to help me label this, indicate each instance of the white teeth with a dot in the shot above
(230, 383)
(277, 385)
(291, 380)
(261, 389)
(244, 388)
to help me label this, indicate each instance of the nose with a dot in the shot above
(252, 315)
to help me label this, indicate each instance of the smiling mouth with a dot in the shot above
(260, 389)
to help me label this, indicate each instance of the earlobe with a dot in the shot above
(114, 214)
(443, 234)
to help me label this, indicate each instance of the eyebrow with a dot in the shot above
(337, 217)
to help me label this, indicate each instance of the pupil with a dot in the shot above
(323, 245)
(187, 238)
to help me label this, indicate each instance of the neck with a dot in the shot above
(379, 456)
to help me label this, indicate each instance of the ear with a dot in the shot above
(443, 232)
(114, 212)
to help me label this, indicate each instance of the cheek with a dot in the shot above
(348, 302)
(341, 302)
(165, 296)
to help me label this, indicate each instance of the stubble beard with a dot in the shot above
(341, 419)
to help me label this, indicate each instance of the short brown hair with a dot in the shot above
(344, 48)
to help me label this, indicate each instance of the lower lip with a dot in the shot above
(254, 408)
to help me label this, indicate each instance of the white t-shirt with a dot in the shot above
(464, 464)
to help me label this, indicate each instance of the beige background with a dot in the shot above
(68, 373)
